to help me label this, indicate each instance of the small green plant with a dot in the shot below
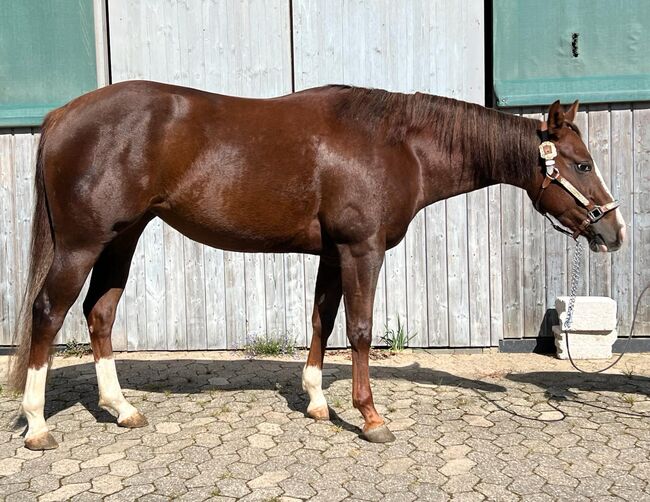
(397, 339)
(628, 371)
(167, 392)
(216, 492)
(337, 403)
(270, 345)
(629, 398)
(75, 349)
(224, 409)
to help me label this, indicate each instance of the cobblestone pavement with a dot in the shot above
(225, 428)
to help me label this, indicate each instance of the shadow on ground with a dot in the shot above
(562, 385)
(77, 383)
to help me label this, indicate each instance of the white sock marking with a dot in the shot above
(312, 382)
(110, 392)
(34, 400)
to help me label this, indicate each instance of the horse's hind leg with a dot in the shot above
(64, 280)
(107, 283)
(326, 304)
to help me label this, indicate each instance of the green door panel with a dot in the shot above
(592, 50)
(47, 57)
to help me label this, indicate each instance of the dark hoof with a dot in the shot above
(134, 421)
(42, 441)
(322, 413)
(379, 434)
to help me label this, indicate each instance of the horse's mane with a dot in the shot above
(503, 145)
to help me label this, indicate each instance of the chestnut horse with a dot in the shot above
(334, 171)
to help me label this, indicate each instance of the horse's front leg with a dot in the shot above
(326, 304)
(360, 267)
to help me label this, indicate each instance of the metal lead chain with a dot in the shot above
(575, 277)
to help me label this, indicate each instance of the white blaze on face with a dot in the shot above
(602, 181)
(312, 381)
(34, 400)
(110, 392)
(619, 217)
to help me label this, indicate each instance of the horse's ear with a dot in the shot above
(555, 116)
(571, 113)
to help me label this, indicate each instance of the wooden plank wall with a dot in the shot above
(471, 270)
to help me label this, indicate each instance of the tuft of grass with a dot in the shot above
(397, 339)
(270, 345)
(75, 349)
(337, 403)
(224, 409)
(167, 392)
(629, 398)
(215, 493)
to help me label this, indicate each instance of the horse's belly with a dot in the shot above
(247, 234)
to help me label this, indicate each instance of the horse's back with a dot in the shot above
(235, 173)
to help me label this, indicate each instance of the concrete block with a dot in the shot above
(591, 313)
(584, 345)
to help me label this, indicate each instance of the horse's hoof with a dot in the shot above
(320, 413)
(42, 441)
(133, 421)
(379, 434)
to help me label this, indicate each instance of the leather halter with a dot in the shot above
(548, 152)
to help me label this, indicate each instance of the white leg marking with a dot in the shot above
(110, 392)
(34, 400)
(312, 382)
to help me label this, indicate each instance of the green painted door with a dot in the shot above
(592, 50)
(47, 57)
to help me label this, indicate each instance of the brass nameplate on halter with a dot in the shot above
(547, 150)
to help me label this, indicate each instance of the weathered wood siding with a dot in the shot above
(471, 270)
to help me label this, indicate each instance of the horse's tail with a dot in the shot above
(40, 260)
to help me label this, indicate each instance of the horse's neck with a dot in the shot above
(453, 169)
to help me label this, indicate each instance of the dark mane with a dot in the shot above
(500, 143)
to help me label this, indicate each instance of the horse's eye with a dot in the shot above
(584, 167)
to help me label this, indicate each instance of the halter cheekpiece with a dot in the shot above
(548, 152)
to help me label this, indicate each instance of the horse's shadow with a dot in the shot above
(566, 385)
(74, 384)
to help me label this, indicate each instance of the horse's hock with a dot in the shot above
(593, 327)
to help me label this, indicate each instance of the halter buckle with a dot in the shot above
(596, 214)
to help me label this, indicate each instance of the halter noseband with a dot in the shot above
(548, 152)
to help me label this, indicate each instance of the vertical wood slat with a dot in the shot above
(512, 259)
(436, 250)
(582, 121)
(9, 293)
(495, 265)
(622, 186)
(600, 264)
(641, 217)
(534, 273)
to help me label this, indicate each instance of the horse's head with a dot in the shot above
(572, 188)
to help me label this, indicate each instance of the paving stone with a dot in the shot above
(250, 439)
(65, 492)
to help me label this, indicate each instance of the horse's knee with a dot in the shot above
(360, 332)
